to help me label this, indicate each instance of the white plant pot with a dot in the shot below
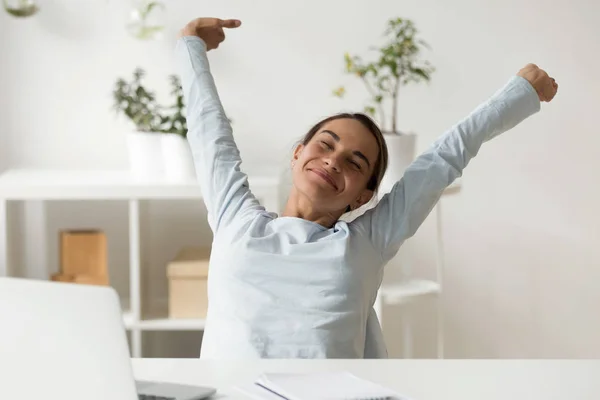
(401, 153)
(145, 155)
(177, 158)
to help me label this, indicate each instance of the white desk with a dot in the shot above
(419, 380)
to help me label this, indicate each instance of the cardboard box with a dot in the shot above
(187, 275)
(83, 258)
(83, 252)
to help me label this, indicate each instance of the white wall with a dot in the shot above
(522, 238)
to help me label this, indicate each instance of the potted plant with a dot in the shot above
(158, 146)
(177, 156)
(20, 8)
(397, 65)
(147, 20)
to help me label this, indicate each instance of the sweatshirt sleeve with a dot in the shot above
(217, 161)
(401, 212)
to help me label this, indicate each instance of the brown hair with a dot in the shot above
(382, 157)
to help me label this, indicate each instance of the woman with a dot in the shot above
(303, 284)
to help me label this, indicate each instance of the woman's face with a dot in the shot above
(333, 169)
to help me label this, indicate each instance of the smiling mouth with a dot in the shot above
(325, 177)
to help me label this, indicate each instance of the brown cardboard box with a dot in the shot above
(83, 257)
(83, 252)
(188, 274)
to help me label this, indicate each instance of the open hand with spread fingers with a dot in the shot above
(210, 30)
(545, 86)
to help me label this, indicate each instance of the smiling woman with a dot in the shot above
(348, 152)
(303, 284)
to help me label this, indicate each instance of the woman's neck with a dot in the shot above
(300, 206)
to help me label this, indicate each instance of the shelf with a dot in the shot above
(404, 292)
(128, 319)
(454, 188)
(34, 184)
(171, 324)
(163, 324)
(159, 321)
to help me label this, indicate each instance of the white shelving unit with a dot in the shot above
(411, 290)
(45, 185)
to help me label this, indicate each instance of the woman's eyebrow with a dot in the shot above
(355, 152)
(361, 155)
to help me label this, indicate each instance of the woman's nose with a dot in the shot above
(333, 163)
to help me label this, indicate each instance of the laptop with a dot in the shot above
(67, 341)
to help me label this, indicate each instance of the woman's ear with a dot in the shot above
(297, 152)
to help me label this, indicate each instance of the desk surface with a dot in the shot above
(416, 379)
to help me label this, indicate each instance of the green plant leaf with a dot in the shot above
(145, 11)
(339, 92)
(147, 32)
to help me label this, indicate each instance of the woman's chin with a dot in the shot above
(319, 188)
(320, 197)
(316, 191)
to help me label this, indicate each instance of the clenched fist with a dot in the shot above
(544, 85)
(210, 30)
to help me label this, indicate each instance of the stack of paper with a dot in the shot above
(316, 386)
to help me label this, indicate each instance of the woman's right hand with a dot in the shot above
(544, 85)
(210, 30)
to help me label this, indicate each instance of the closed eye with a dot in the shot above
(327, 145)
(355, 164)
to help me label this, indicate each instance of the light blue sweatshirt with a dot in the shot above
(284, 287)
